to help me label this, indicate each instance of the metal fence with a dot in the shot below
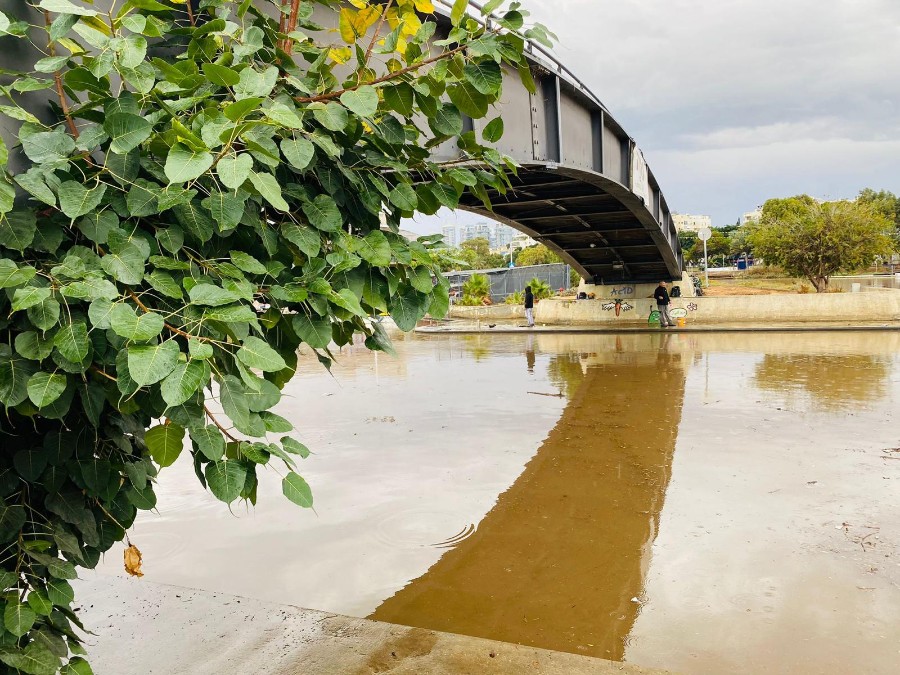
(506, 281)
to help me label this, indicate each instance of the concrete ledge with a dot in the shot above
(150, 629)
(746, 309)
(489, 313)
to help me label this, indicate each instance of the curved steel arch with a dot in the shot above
(583, 188)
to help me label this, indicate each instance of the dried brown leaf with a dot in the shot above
(133, 561)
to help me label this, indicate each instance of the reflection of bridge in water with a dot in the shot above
(557, 561)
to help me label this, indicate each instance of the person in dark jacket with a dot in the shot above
(661, 294)
(529, 306)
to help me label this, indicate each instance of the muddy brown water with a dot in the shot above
(704, 503)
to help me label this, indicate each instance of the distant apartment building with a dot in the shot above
(751, 217)
(688, 223)
(451, 236)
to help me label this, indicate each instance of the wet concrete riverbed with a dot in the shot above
(702, 503)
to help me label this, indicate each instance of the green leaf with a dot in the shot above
(125, 322)
(170, 238)
(66, 7)
(247, 263)
(304, 238)
(18, 618)
(183, 382)
(323, 213)
(346, 299)
(35, 659)
(143, 198)
(11, 275)
(47, 146)
(362, 101)
(220, 75)
(148, 364)
(234, 171)
(199, 350)
(469, 100)
(40, 603)
(407, 308)
(269, 188)
(493, 131)
(76, 666)
(298, 152)
(253, 84)
(297, 490)
(209, 441)
(400, 98)
(485, 76)
(165, 443)
(404, 197)
(73, 342)
(184, 165)
(45, 388)
(209, 295)
(314, 332)
(45, 315)
(12, 520)
(333, 116)
(234, 401)
(458, 11)
(17, 230)
(75, 200)
(226, 479)
(294, 446)
(60, 592)
(34, 346)
(126, 264)
(256, 353)
(127, 131)
(374, 248)
(447, 121)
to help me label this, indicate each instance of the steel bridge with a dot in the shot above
(583, 189)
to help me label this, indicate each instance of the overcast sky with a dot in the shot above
(736, 101)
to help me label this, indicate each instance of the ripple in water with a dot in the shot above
(420, 528)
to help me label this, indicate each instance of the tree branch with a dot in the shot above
(381, 21)
(218, 424)
(57, 78)
(172, 328)
(386, 78)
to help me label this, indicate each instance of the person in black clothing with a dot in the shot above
(662, 304)
(529, 306)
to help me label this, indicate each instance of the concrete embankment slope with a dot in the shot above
(142, 628)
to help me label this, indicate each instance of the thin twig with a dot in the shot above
(218, 424)
(172, 328)
(57, 78)
(113, 518)
(378, 28)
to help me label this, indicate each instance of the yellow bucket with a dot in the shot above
(681, 321)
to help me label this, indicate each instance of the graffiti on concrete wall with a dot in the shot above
(618, 305)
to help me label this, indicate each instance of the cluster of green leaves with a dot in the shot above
(209, 198)
(814, 240)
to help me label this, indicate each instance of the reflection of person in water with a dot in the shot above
(529, 353)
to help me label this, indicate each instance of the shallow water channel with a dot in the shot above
(706, 503)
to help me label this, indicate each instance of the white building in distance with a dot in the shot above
(688, 223)
(451, 237)
(751, 216)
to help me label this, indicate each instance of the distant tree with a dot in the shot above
(884, 201)
(536, 255)
(739, 241)
(540, 289)
(687, 239)
(477, 254)
(814, 241)
(717, 244)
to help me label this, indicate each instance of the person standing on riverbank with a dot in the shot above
(661, 294)
(529, 306)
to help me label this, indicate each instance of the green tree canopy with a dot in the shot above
(536, 255)
(815, 240)
(207, 201)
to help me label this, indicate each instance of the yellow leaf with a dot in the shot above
(359, 4)
(133, 561)
(340, 54)
(393, 18)
(71, 45)
(424, 6)
(354, 25)
(411, 24)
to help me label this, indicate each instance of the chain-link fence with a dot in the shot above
(506, 281)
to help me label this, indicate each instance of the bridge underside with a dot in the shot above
(593, 230)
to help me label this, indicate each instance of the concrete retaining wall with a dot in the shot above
(501, 312)
(757, 309)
